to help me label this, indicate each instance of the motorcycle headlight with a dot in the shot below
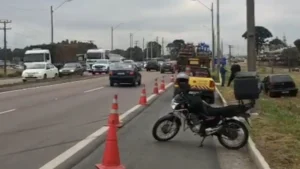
(173, 104)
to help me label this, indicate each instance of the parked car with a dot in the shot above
(124, 73)
(279, 84)
(39, 71)
(101, 66)
(167, 67)
(152, 65)
(71, 69)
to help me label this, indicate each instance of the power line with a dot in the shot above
(5, 28)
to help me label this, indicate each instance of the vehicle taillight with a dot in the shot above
(212, 84)
(131, 73)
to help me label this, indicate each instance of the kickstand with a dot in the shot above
(201, 144)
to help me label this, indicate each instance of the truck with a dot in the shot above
(57, 54)
(94, 55)
(195, 61)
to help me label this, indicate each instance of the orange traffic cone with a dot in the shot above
(143, 98)
(155, 89)
(172, 78)
(114, 115)
(111, 157)
(162, 85)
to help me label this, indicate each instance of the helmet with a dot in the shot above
(182, 75)
(182, 79)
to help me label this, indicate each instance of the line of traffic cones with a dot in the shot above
(111, 155)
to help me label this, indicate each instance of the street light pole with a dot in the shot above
(212, 31)
(213, 37)
(51, 16)
(251, 63)
(112, 38)
(112, 35)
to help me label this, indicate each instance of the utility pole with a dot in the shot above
(157, 48)
(143, 44)
(5, 28)
(51, 14)
(162, 47)
(147, 53)
(112, 38)
(151, 44)
(229, 58)
(218, 39)
(136, 42)
(213, 37)
(130, 48)
(251, 63)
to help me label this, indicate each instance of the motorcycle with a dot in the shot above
(222, 122)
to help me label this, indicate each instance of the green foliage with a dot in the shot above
(137, 54)
(156, 50)
(261, 36)
(291, 56)
(174, 47)
(119, 52)
(277, 41)
(297, 44)
(81, 47)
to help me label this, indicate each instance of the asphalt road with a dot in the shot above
(19, 80)
(139, 150)
(38, 124)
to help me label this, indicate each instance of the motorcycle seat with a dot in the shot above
(226, 111)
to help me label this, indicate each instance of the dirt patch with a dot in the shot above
(276, 131)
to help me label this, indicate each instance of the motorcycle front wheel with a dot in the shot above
(165, 125)
(230, 132)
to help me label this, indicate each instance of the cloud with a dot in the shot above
(171, 19)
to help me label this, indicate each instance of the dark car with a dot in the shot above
(71, 69)
(139, 65)
(152, 65)
(124, 73)
(281, 84)
(167, 67)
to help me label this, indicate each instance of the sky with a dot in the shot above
(171, 19)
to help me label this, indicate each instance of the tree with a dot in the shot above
(156, 49)
(290, 57)
(119, 52)
(174, 47)
(276, 43)
(297, 44)
(137, 54)
(261, 36)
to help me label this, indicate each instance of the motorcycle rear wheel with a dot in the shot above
(243, 142)
(157, 125)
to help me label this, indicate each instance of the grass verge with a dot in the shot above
(276, 131)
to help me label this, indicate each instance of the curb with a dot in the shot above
(70, 158)
(254, 153)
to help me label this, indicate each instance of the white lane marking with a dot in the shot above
(83, 143)
(7, 111)
(31, 88)
(91, 90)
